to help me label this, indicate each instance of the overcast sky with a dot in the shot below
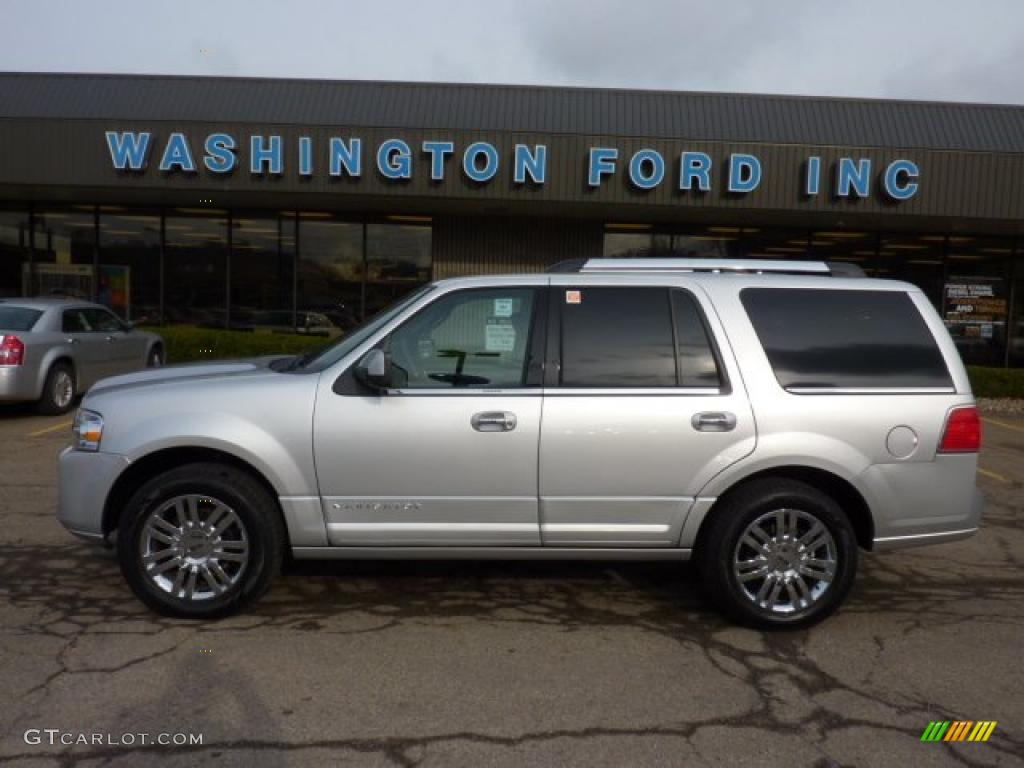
(918, 49)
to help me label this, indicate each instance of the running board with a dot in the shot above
(488, 553)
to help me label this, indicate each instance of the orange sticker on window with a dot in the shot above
(573, 297)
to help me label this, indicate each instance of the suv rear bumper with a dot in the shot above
(83, 484)
(969, 526)
(887, 543)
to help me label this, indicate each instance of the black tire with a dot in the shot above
(53, 401)
(242, 494)
(720, 545)
(155, 357)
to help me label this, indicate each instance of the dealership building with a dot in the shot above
(267, 204)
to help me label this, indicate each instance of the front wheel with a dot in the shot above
(155, 358)
(200, 540)
(778, 553)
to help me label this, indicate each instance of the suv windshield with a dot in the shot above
(18, 318)
(322, 357)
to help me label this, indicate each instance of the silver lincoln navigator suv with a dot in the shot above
(767, 419)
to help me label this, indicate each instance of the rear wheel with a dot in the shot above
(201, 540)
(778, 553)
(155, 358)
(58, 390)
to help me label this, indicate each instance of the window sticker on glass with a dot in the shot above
(573, 297)
(503, 307)
(500, 338)
(425, 347)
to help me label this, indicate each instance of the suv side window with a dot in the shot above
(102, 321)
(698, 364)
(73, 321)
(477, 338)
(626, 337)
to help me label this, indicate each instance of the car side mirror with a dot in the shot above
(374, 370)
(127, 326)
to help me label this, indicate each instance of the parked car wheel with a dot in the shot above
(778, 553)
(200, 540)
(155, 358)
(58, 390)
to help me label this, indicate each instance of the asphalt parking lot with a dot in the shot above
(443, 664)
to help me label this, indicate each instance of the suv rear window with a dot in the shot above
(831, 339)
(18, 318)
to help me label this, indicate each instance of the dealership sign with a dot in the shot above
(481, 162)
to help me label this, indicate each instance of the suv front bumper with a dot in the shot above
(84, 481)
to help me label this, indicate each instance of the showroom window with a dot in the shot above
(855, 247)
(975, 297)
(704, 242)
(64, 253)
(195, 267)
(330, 279)
(1015, 349)
(14, 251)
(918, 259)
(128, 273)
(398, 261)
(262, 276)
(627, 241)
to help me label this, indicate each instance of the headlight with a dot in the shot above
(88, 429)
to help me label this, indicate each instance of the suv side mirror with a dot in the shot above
(374, 370)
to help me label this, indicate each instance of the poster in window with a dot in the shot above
(974, 307)
(113, 288)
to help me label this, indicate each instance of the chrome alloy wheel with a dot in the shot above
(63, 389)
(785, 561)
(194, 547)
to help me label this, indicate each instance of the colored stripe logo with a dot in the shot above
(959, 730)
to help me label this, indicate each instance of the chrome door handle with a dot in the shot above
(109, 338)
(493, 421)
(71, 340)
(714, 421)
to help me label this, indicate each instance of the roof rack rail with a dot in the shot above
(662, 265)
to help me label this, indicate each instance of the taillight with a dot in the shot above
(963, 431)
(12, 350)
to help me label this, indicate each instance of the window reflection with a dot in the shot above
(128, 274)
(195, 269)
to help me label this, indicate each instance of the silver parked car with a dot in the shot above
(54, 349)
(767, 419)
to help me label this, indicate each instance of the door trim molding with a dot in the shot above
(490, 553)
